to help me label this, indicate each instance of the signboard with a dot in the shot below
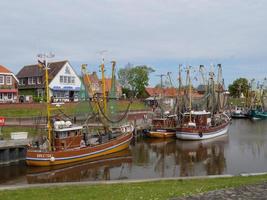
(2, 121)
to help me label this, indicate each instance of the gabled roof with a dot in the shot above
(36, 70)
(4, 69)
(108, 84)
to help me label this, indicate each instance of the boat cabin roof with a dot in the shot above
(198, 113)
(73, 128)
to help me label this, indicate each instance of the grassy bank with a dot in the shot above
(6, 130)
(32, 110)
(148, 190)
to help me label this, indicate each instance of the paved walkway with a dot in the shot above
(257, 191)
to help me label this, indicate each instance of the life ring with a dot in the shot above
(200, 134)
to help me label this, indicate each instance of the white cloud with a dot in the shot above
(138, 31)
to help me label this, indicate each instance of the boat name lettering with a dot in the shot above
(44, 155)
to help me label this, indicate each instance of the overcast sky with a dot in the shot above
(160, 33)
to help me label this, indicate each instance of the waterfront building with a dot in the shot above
(8, 86)
(64, 83)
(96, 85)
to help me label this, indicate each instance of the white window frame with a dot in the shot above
(3, 78)
(38, 80)
(30, 80)
(10, 79)
(73, 80)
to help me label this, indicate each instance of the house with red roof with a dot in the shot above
(8, 86)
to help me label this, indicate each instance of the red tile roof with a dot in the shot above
(169, 92)
(4, 69)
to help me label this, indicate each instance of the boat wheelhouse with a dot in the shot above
(163, 127)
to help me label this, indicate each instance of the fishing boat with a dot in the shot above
(69, 143)
(257, 114)
(202, 124)
(258, 95)
(239, 113)
(163, 127)
(164, 121)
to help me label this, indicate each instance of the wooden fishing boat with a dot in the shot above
(68, 143)
(202, 126)
(162, 127)
(70, 147)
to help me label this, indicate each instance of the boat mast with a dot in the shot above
(190, 94)
(104, 86)
(48, 101)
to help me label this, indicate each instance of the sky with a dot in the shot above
(161, 34)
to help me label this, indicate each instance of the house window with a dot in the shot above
(65, 79)
(67, 70)
(9, 80)
(22, 81)
(61, 79)
(33, 80)
(29, 80)
(9, 95)
(69, 79)
(38, 80)
(2, 79)
(73, 79)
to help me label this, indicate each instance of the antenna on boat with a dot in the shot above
(102, 68)
(45, 65)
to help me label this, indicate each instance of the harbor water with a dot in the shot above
(242, 150)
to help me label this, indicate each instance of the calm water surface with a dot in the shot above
(243, 149)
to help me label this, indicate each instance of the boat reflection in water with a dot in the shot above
(174, 158)
(204, 157)
(98, 169)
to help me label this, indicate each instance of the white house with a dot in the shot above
(64, 83)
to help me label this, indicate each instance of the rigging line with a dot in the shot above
(108, 119)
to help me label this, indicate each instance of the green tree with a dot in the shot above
(135, 79)
(123, 76)
(239, 86)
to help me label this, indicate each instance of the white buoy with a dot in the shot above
(52, 159)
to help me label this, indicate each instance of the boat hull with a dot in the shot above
(201, 134)
(161, 134)
(257, 115)
(50, 158)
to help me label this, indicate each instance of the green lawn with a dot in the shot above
(6, 130)
(69, 109)
(149, 190)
